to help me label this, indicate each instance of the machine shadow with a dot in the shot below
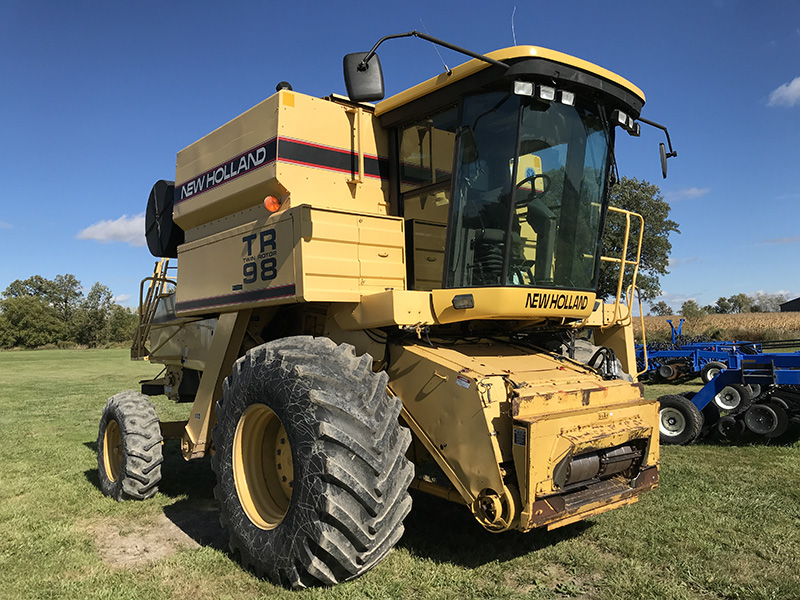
(435, 529)
(191, 485)
(445, 532)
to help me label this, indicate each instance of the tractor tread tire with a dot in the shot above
(140, 471)
(693, 419)
(351, 475)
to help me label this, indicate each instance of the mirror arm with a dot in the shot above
(362, 66)
(664, 129)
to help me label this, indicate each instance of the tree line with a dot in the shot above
(36, 311)
(738, 303)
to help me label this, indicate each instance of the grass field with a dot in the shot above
(725, 522)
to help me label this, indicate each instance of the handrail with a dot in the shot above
(148, 303)
(644, 335)
(624, 262)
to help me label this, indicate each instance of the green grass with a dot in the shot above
(724, 523)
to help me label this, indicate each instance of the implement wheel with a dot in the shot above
(711, 370)
(680, 421)
(734, 398)
(129, 453)
(312, 477)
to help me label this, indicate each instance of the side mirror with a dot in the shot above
(363, 83)
(663, 150)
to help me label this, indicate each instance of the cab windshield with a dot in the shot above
(527, 200)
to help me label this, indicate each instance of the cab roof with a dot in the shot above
(520, 59)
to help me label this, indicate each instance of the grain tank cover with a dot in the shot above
(300, 149)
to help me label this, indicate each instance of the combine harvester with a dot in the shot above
(372, 298)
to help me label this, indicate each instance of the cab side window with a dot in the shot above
(426, 161)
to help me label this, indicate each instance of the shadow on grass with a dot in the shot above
(446, 532)
(191, 485)
(435, 529)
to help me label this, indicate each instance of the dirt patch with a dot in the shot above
(132, 544)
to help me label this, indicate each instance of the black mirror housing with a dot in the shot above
(364, 84)
(662, 149)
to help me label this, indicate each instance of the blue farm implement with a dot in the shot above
(685, 358)
(725, 406)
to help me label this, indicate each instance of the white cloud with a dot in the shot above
(125, 229)
(677, 262)
(787, 94)
(686, 194)
(792, 239)
(4, 225)
(122, 298)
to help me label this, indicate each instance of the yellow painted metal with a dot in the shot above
(148, 306)
(278, 140)
(382, 309)
(454, 405)
(428, 252)
(527, 304)
(470, 68)
(112, 450)
(465, 403)
(263, 471)
(223, 353)
(625, 262)
(302, 254)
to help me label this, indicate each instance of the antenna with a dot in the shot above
(513, 31)
(446, 68)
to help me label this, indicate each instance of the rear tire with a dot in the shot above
(129, 454)
(341, 508)
(680, 421)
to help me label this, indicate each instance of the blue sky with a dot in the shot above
(97, 98)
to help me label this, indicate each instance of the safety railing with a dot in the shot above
(624, 263)
(148, 304)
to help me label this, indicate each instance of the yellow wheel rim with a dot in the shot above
(112, 450)
(263, 471)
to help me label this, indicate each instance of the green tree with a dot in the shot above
(661, 309)
(32, 286)
(122, 323)
(691, 310)
(644, 198)
(90, 321)
(740, 303)
(29, 321)
(65, 295)
(723, 306)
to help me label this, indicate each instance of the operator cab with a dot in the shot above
(501, 169)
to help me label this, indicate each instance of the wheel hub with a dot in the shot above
(112, 450)
(672, 422)
(263, 468)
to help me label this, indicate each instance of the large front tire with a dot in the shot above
(334, 507)
(129, 453)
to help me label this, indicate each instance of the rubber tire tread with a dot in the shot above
(692, 416)
(351, 475)
(140, 471)
(704, 376)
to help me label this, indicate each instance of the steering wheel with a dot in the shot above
(532, 180)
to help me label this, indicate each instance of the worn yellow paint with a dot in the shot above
(464, 403)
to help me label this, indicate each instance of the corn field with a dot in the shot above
(753, 327)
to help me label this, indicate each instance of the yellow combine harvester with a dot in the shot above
(372, 298)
